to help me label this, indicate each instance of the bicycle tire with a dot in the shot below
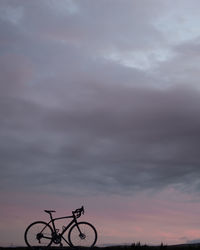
(77, 240)
(34, 234)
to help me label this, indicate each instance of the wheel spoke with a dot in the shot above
(87, 237)
(38, 234)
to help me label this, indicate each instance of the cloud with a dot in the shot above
(73, 120)
(134, 139)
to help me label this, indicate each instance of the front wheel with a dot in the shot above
(38, 234)
(82, 234)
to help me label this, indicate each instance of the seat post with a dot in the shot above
(51, 217)
(52, 221)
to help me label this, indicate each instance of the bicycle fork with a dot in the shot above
(81, 235)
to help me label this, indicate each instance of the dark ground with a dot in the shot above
(131, 247)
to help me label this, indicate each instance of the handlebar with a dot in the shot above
(78, 212)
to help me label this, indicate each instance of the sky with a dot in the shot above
(99, 106)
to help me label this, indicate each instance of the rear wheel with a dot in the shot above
(38, 234)
(86, 237)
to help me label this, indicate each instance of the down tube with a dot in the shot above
(66, 228)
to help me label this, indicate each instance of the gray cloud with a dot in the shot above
(135, 139)
(72, 120)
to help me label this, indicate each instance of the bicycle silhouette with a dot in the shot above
(42, 234)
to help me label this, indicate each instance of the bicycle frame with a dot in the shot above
(43, 234)
(74, 220)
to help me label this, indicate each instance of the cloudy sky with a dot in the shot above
(99, 106)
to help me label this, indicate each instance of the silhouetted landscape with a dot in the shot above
(134, 246)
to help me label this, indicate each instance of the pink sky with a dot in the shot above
(169, 217)
(99, 106)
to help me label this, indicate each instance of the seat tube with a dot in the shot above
(52, 220)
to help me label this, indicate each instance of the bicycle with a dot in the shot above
(42, 234)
